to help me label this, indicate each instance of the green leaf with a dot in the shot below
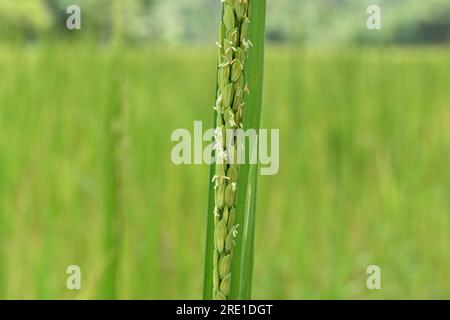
(242, 264)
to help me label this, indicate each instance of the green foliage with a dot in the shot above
(319, 22)
(363, 175)
(330, 22)
(25, 18)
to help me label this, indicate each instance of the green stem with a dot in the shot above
(113, 192)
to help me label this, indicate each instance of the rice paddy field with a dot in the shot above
(364, 172)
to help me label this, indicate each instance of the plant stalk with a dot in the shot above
(232, 193)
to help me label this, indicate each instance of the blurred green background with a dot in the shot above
(86, 176)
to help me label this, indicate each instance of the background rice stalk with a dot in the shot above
(114, 162)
